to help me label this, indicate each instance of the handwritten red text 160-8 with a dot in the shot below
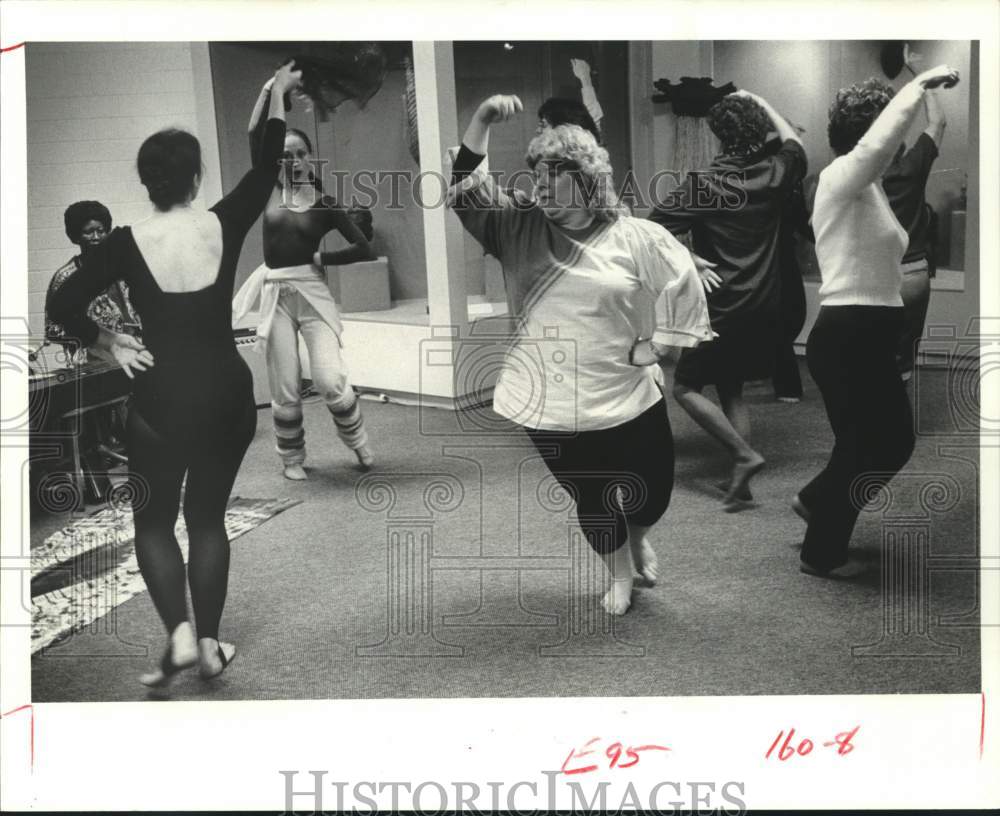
(793, 746)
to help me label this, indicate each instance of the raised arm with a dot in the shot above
(241, 207)
(932, 107)
(581, 70)
(498, 108)
(874, 152)
(936, 120)
(257, 120)
(781, 126)
(473, 194)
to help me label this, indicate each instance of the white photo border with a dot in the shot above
(919, 751)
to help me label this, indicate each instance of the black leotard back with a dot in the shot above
(198, 383)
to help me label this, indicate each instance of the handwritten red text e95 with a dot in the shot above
(615, 755)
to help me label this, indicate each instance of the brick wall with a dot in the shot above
(89, 106)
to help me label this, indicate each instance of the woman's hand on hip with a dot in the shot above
(710, 279)
(646, 353)
(130, 354)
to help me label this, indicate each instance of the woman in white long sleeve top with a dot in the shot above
(599, 297)
(852, 346)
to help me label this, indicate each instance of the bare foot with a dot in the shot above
(618, 599)
(743, 471)
(365, 457)
(296, 473)
(213, 657)
(645, 561)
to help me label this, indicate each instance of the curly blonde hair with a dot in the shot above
(574, 147)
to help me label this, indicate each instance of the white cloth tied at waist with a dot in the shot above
(266, 283)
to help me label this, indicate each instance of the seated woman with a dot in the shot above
(616, 291)
(87, 225)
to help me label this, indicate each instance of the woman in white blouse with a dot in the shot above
(598, 297)
(852, 346)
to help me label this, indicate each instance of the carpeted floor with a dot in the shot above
(90, 566)
(491, 608)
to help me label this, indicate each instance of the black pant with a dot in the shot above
(616, 476)
(786, 379)
(210, 458)
(852, 357)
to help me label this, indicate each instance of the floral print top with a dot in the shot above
(111, 310)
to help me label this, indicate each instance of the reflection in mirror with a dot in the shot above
(358, 111)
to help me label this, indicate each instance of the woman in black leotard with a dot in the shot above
(295, 300)
(193, 412)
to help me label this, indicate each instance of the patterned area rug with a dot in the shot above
(87, 569)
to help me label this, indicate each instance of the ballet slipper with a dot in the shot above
(181, 646)
(295, 473)
(213, 649)
(167, 670)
